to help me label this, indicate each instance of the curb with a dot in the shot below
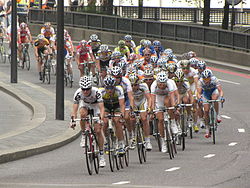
(39, 116)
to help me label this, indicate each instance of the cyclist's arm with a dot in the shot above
(122, 106)
(172, 98)
(92, 56)
(131, 99)
(196, 78)
(190, 94)
(74, 111)
(199, 91)
(102, 111)
(148, 97)
(153, 101)
(36, 52)
(220, 91)
(177, 96)
(98, 65)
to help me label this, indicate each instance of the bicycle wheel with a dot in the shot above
(213, 123)
(96, 153)
(111, 149)
(126, 156)
(139, 143)
(168, 141)
(156, 133)
(70, 76)
(65, 78)
(26, 59)
(89, 155)
(183, 130)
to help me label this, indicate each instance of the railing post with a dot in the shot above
(195, 15)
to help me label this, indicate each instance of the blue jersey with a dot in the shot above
(151, 49)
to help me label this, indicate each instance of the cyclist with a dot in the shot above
(116, 57)
(123, 49)
(113, 98)
(103, 57)
(129, 99)
(95, 43)
(171, 69)
(41, 47)
(49, 33)
(209, 88)
(137, 49)
(158, 48)
(162, 92)
(84, 54)
(186, 96)
(147, 45)
(89, 98)
(24, 37)
(130, 43)
(148, 77)
(192, 76)
(68, 54)
(142, 100)
(201, 66)
(194, 62)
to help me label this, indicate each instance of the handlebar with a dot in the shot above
(164, 109)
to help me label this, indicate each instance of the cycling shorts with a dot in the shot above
(207, 95)
(141, 105)
(94, 107)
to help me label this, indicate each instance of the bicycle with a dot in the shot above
(169, 138)
(140, 139)
(183, 124)
(26, 57)
(68, 77)
(213, 117)
(46, 68)
(87, 71)
(2, 51)
(156, 133)
(91, 143)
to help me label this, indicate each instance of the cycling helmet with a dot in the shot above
(121, 43)
(162, 77)
(65, 32)
(85, 82)
(156, 43)
(109, 81)
(128, 37)
(153, 59)
(148, 66)
(179, 75)
(148, 72)
(122, 64)
(142, 42)
(132, 57)
(23, 25)
(47, 24)
(194, 62)
(93, 37)
(170, 56)
(202, 65)
(157, 70)
(185, 63)
(116, 71)
(162, 61)
(147, 43)
(104, 48)
(83, 43)
(207, 73)
(40, 36)
(168, 51)
(191, 54)
(133, 78)
(131, 70)
(116, 55)
(172, 67)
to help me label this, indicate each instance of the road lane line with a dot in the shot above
(226, 117)
(232, 144)
(121, 182)
(231, 82)
(209, 156)
(172, 169)
(230, 72)
(241, 130)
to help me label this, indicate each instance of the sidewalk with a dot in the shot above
(42, 133)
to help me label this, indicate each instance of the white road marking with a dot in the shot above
(172, 169)
(226, 117)
(241, 130)
(232, 144)
(209, 156)
(121, 182)
(231, 82)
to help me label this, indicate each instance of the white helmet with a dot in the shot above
(93, 37)
(116, 71)
(104, 48)
(85, 82)
(148, 72)
(207, 73)
(179, 74)
(162, 77)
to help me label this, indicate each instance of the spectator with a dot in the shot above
(8, 12)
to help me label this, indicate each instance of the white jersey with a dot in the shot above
(94, 97)
(171, 86)
(184, 87)
(213, 84)
(139, 95)
(191, 75)
(126, 85)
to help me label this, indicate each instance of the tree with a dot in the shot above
(226, 16)
(206, 13)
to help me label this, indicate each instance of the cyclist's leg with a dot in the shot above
(215, 96)
(19, 49)
(39, 61)
(167, 103)
(83, 114)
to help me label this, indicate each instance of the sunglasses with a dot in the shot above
(147, 54)
(148, 79)
(117, 76)
(187, 68)
(133, 85)
(206, 79)
(109, 87)
(177, 81)
(86, 89)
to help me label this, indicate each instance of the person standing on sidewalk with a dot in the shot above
(8, 13)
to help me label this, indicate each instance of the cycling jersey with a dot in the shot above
(171, 86)
(184, 87)
(123, 50)
(111, 102)
(210, 88)
(41, 43)
(139, 94)
(83, 51)
(94, 97)
(191, 75)
(24, 32)
(95, 44)
(48, 33)
(104, 56)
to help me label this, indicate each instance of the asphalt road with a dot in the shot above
(202, 164)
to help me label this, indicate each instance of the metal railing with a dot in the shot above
(145, 28)
(195, 15)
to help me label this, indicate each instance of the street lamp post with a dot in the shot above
(13, 71)
(60, 60)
